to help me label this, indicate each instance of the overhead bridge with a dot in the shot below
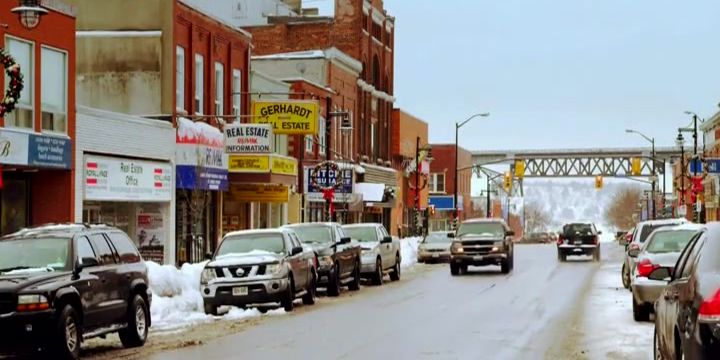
(607, 162)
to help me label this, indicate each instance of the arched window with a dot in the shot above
(376, 72)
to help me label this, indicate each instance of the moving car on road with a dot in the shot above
(435, 246)
(579, 239)
(63, 284)
(642, 230)
(338, 257)
(259, 267)
(687, 320)
(661, 249)
(380, 251)
(481, 242)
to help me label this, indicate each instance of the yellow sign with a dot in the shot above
(291, 117)
(249, 163)
(284, 166)
(263, 193)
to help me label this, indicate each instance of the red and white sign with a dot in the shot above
(121, 179)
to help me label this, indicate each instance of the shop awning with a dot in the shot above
(371, 192)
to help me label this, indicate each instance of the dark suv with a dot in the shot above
(480, 242)
(62, 284)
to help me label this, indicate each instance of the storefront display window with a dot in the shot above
(14, 206)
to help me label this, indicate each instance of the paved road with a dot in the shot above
(485, 315)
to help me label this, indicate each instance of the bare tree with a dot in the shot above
(194, 204)
(536, 218)
(622, 207)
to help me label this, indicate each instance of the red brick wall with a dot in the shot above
(444, 162)
(344, 84)
(199, 34)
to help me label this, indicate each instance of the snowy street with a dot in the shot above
(543, 310)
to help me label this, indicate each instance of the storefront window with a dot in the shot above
(22, 51)
(13, 206)
(54, 90)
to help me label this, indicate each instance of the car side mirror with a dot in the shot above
(634, 252)
(296, 250)
(208, 256)
(661, 273)
(451, 235)
(386, 240)
(345, 240)
(510, 233)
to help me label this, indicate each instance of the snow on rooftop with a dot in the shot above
(307, 54)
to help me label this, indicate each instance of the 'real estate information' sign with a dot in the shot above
(109, 178)
(248, 138)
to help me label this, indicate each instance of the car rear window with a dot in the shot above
(669, 241)
(578, 229)
(648, 229)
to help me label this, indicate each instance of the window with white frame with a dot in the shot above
(372, 138)
(321, 136)
(436, 183)
(22, 51)
(180, 78)
(219, 89)
(236, 96)
(199, 84)
(54, 89)
(308, 143)
(280, 144)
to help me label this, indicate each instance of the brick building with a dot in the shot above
(441, 184)
(37, 137)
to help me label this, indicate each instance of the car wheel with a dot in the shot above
(309, 297)
(454, 269)
(136, 332)
(333, 288)
(210, 309)
(625, 276)
(289, 298)
(69, 334)
(378, 276)
(596, 254)
(640, 311)
(355, 284)
(505, 266)
(395, 274)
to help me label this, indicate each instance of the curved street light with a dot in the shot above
(455, 181)
(654, 173)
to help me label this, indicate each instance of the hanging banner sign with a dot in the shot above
(248, 138)
(284, 165)
(290, 117)
(118, 179)
(201, 163)
(249, 163)
(263, 193)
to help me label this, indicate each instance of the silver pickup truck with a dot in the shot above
(380, 251)
(259, 267)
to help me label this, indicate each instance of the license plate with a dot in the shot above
(240, 291)
(578, 243)
(436, 255)
(477, 257)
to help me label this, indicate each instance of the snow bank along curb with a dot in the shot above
(408, 251)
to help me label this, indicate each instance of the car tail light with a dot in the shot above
(645, 267)
(628, 237)
(710, 308)
(560, 240)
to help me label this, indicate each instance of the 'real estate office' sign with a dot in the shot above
(118, 179)
(248, 138)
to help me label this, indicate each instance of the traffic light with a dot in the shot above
(455, 224)
(635, 166)
(519, 168)
(598, 182)
(507, 184)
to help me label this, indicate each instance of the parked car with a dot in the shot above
(481, 242)
(338, 257)
(661, 249)
(434, 247)
(63, 284)
(257, 268)
(380, 251)
(579, 239)
(687, 320)
(536, 238)
(642, 230)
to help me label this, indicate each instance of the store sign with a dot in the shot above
(248, 138)
(284, 166)
(325, 177)
(150, 236)
(263, 193)
(696, 166)
(119, 179)
(28, 149)
(290, 117)
(200, 157)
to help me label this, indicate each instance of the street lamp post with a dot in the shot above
(455, 181)
(695, 159)
(654, 173)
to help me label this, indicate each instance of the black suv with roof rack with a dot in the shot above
(62, 284)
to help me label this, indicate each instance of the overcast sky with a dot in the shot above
(555, 73)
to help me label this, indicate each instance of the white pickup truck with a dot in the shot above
(380, 251)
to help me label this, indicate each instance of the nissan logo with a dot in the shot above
(240, 272)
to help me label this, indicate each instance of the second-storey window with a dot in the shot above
(436, 183)
(22, 51)
(236, 96)
(54, 90)
(219, 89)
(180, 78)
(321, 137)
(199, 85)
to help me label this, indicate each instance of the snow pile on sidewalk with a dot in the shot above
(408, 251)
(177, 302)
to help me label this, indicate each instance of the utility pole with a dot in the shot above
(696, 214)
(417, 186)
(328, 124)
(654, 210)
(488, 210)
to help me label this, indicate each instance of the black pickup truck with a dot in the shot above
(579, 239)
